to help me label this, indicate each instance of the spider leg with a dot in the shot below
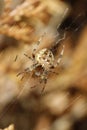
(43, 79)
(20, 73)
(28, 57)
(25, 71)
(53, 72)
(61, 39)
(38, 42)
(60, 56)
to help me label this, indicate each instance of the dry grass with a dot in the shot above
(64, 100)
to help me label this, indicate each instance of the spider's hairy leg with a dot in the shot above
(28, 69)
(43, 79)
(53, 72)
(23, 72)
(61, 39)
(37, 43)
(60, 56)
(31, 58)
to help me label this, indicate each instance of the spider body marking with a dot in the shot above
(45, 58)
(43, 63)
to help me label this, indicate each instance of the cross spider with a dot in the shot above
(43, 63)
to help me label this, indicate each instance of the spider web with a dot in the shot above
(62, 29)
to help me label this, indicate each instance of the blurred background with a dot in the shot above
(63, 103)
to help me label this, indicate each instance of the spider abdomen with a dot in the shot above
(45, 58)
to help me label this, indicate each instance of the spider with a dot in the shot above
(43, 63)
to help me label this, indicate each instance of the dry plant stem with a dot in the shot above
(72, 74)
(17, 32)
(22, 22)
